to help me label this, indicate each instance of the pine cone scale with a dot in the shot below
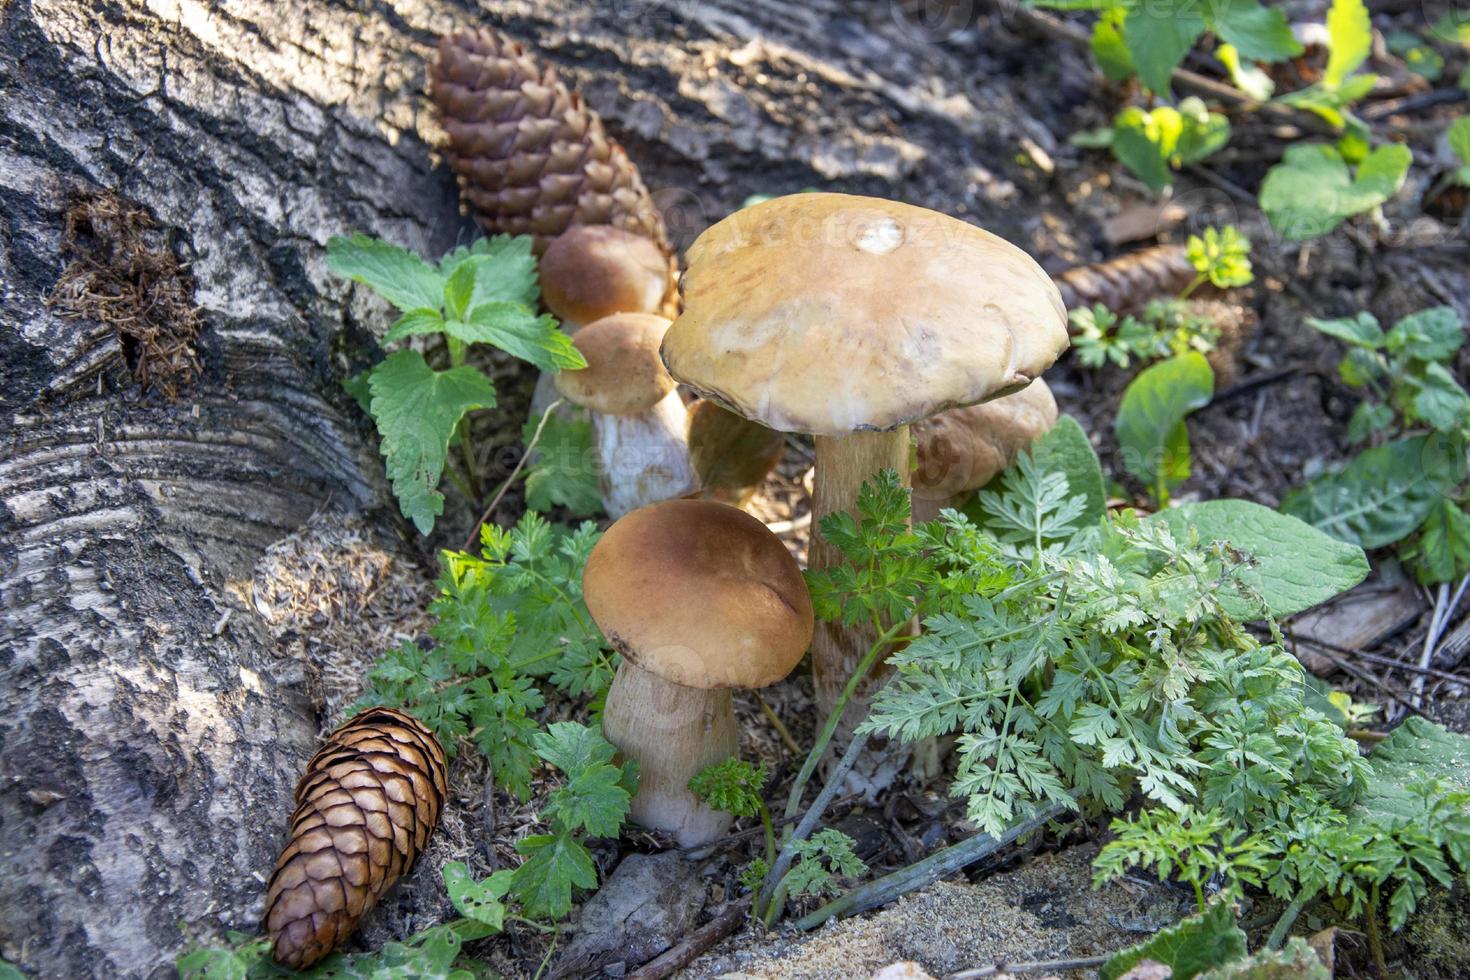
(365, 808)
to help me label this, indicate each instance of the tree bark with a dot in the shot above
(149, 738)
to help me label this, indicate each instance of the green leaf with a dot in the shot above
(1384, 493)
(1159, 35)
(1188, 948)
(1294, 961)
(1203, 132)
(1442, 552)
(1430, 335)
(1221, 255)
(1360, 331)
(1144, 141)
(1416, 751)
(413, 323)
(1150, 423)
(1258, 33)
(505, 270)
(554, 865)
(517, 330)
(416, 410)
(1294, 566)
(565, 471)
(396, 274)
(1350, 40)
(458, 289)
(1310, 192)
(357, 387)
(573, 748)
(1066, 450)
(732, 786)
(1458, 137)
(1247, 77)
(1109, 48)
(478, 900)
(1438, 398)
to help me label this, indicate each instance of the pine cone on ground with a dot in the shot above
(1127, 283)
(364, 811)
(531, 157)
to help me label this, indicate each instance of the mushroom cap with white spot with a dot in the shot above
(831, 314)
(701, 594)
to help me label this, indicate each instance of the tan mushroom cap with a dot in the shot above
(624, 375)
(830, 314)
(701, 594)
(964, 448)
(593, 271)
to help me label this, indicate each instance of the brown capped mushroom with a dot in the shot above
(640, 421)
(730, 454)
(848, 318)
(593, 271)
(699, 598)
(964, 448)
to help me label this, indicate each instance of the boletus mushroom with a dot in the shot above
(965, 448)
(699, 598)
(848, 318)
(640, 421)
(730, 454)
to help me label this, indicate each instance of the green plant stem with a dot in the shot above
(1375, 939)
(924, 872)
(457, 349)
(770, 834)
(1288, 917)
(1199, 280)
(793, 799)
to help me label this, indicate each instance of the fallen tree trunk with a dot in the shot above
(149, 735)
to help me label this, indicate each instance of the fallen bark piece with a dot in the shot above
(365, 808)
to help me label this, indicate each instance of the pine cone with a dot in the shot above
(1127, 283)
(532, 158)
(364, 811)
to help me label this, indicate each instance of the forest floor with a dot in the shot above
(1284, 412)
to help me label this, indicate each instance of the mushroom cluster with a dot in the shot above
(699, 598)
(848, 318)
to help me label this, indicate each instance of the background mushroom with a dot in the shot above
(964, 448)
(593, 271)
(848, 318)
(699, 598)
(730, 454)
(640, 421)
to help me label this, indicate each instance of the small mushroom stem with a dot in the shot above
(843, 466)
(927, 508)
(672, 732)
(644, 457)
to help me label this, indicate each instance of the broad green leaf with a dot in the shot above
(417, 409)
(1350, 39)
(1438, 398)
(413, 323)
(1458, 137)
(1144, 141)
(1067, 450)
(554, 865)
(1294, 961)
(1430, 335)
(1310, 192)
(1442, 552)
(505, 270)
(1293, 566)
(572, 747)
(593, 800)
(478, 900)
(1188, 948)
(1384, 493)
(1416, 751)
(1361, 330)
(517, 330)
(1203, 132)
(1150, 423)
(1159, 34)
(565, 471)
(458, 289)
(1110, 50)
(1258, 33)
(1368, 418)
(396, 274)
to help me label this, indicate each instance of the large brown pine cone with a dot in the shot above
(364, 811)
(531, 157)
(1127, 283)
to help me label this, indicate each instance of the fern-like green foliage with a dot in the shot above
(822, 859)
(504, 621)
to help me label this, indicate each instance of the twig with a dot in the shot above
(1378, 660)
(709, 847)
(1412, 103)
(779, 528)
(880, 891)
(1444, 611)
(520, 464)
(778, 725)
(1034, 966)
(726, 921)
(1369, 679)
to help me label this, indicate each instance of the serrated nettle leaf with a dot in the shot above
(1361, 330)
(1384, 493)
(505, 269)
(396, 274)
(416, 410)
(519, 331)
(1350, 36)
(1159, 34)
(565, 472)
(458, 289)
(1433, 334)
(554, 866)
(414, 323)
(1150, 422)
(1293, 566)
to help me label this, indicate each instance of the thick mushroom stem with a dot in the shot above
(644, 457)
(673, 732)
(843, 466)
